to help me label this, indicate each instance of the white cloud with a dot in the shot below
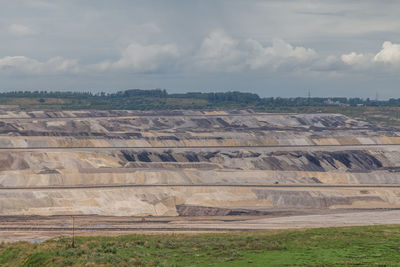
(353, 58)
(358, 61)
(388, 58)
(280, 54)
(221, 52)
(390, 53)
(218, 52)
(136, 58)
(21, 30)
(22, 64)
(142, 58)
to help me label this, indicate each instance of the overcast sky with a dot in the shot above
(273, 48)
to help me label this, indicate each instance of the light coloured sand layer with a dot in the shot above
(189, 128)
(144, 154)
(328, 220)
(123, 176)
(163, 201)
(215, 139)
(186, 225)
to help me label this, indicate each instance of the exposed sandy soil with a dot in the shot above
(192, 171)
(37, 229)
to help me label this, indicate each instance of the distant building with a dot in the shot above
(330, 102)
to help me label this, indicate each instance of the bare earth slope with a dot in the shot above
(194, 163)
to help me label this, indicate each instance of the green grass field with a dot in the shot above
(350, 246)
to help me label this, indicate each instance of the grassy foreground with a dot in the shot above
(350, 246)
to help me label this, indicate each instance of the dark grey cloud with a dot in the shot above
(279, 48)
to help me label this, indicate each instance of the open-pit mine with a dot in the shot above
(124, 171)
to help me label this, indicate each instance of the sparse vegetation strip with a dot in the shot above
(348, 246)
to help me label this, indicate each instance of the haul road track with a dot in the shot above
(278, 186)
(192, 171)
(255, 147)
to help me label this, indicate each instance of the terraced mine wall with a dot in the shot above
(187, 163)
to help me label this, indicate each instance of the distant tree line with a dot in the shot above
(160, 98)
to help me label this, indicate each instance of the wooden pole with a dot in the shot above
(73, 232)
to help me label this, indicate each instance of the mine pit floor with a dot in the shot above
(40, 228)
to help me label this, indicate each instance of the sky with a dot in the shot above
(274, 48)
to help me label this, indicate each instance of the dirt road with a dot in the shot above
(37, 228)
